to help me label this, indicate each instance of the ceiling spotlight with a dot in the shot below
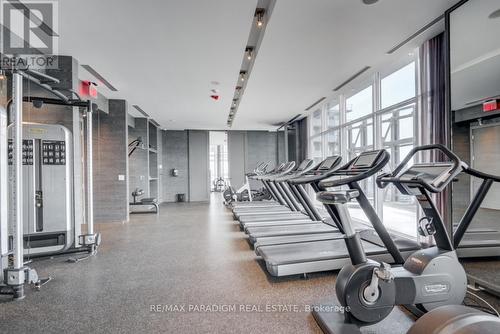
(249, 53)
(259, 15)
(242, 75)
(369, 2)
(495, 14)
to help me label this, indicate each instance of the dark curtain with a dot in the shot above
(434, 119)
(302, 140)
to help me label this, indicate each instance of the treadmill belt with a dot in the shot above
(403, 244)
(256, 232)
(289, 239)
(311, 251)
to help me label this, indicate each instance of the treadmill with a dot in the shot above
(266, 203)
(280, 205)
(276, 233)
(293, 210)
(477, 242)
(322, 254)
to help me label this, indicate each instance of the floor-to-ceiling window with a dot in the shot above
(379, 114)
(397, 120)
(219, 163)
(316, 143)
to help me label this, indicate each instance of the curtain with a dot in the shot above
(434, 120)
(302, 142)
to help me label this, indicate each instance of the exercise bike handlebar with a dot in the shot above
(394, 177)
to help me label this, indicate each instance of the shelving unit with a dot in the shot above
(154, 187)
(144, 164)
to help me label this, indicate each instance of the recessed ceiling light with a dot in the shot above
(369, 2)
(259, 15)
(215, 83)
(242, 75)
(249, 53)
(495, 14)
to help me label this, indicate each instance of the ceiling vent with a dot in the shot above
(100, 78)
(357, 74)
(139, 109)
(420, 31)
(316, 103)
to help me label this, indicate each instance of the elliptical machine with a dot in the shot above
(429, 278)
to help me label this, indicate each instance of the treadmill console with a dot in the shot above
(366, 160)
(327, 164)
(304, 164)
(434, 174)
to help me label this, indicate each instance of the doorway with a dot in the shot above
(219, 166)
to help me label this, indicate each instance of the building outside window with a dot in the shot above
(382, 114)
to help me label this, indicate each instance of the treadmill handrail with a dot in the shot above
(295, 173)
(290, 167)
(394, 177)
(481, 175)
(278, 169)
(382, 160)
(307, 179)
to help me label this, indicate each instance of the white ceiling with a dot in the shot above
(311, 47)
(162, 55)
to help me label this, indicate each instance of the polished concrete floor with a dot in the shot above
(188, 257)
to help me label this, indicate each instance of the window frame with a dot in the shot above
(376, 122)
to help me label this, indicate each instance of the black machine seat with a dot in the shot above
(337, 197)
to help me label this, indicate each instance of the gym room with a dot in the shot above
(240, 166)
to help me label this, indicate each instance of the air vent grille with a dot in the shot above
(357, 74)
(99, 77)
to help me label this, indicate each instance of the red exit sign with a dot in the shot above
(491, 105)
(88, 89)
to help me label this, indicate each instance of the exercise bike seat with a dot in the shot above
(337, 197)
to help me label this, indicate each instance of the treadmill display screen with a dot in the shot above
(426, 173)
(366, 160)
(327, 164)
(304, 164)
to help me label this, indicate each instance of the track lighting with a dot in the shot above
(242, 75)
(259, 15)
(249, 53)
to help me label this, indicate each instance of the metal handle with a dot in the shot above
(383, 180)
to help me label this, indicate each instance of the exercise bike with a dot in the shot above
(429, 278)
(245, 193)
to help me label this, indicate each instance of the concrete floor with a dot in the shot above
(190, 254)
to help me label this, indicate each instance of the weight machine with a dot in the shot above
(38, 155)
